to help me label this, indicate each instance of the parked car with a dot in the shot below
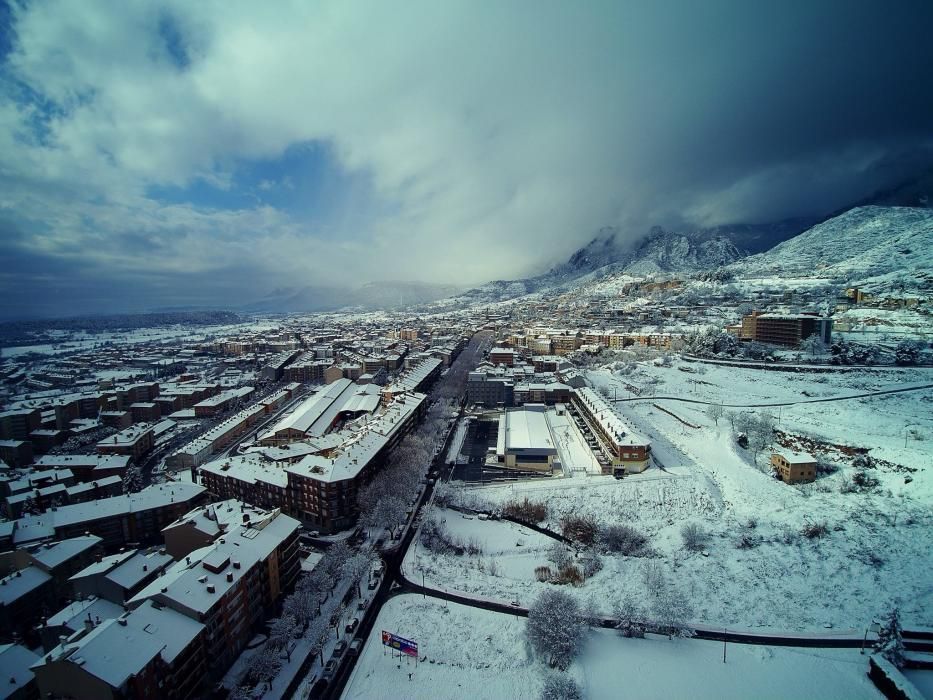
(339, 648)
(355, 646)
(351, 625)
(329, 668)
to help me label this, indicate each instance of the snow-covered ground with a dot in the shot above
(877, 551)
(475, 654)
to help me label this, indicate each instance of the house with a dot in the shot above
(794, 467)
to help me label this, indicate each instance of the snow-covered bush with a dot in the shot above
(559, 555)
(747, 541)
(560, 686)
(671, 609)
(815, 530)
(694, 537)
(624, 540)
(908, 352)
(555, 627)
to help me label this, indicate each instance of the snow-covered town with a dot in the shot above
(434, 350)
(517, 498)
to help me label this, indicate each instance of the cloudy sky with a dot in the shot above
(158, 154)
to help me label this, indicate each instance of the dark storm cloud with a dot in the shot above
(463, 141)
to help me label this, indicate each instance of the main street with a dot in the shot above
(394, 553)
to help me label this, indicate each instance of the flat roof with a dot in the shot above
(527, 430)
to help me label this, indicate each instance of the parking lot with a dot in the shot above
(480, 436)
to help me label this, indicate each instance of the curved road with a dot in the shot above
(883, 392)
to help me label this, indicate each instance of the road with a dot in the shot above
(393, 555)
(867, 395)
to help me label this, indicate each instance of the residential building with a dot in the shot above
(134, 442)
(627, 451)
(794, 467)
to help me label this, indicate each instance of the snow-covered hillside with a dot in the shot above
(881, 244)
(659, 251)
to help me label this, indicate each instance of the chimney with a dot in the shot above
(210, 588)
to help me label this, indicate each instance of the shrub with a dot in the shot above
(816, 530)
(863, 480)
(580, 528)
(592, 564)
(569, 574)
(694, 537)
(747, 541)
(624, 540)
(558, 555)
(559, 686)
(543, 573)
(525, 511)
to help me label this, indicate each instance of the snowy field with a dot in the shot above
(876, 551)
(476, 654)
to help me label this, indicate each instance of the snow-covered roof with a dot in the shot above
(526, 430)
(15, 661)
(17, 584)
(112, 651)
(138, 568)
(52, 554)
(249, 468)
(199, 581)
(73, 614)
(33, 527)
(793, 457)
(84, 461)
(606, 416)
(362, 444)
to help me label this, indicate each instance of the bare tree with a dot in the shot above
(671, 609)
(631, 617)
(355, 568)
(265, 666)
(282, 634)
(760, 433)
(715, 411)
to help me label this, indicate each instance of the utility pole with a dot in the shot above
(724, 630)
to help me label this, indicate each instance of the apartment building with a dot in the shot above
(785, 329)
(18, 424)
(232, 584)
(134, 442)
(119, 520)
(628, 452)
(320, 489)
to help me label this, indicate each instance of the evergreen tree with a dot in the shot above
(890, 642)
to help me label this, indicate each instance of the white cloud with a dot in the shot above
(497, 136)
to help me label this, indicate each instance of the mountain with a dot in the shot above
(864, 246)
(374, 295)
(609, 253)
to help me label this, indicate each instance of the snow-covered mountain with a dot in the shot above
(609, 253)
(865, 245)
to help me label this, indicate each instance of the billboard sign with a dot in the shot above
(400, 644)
